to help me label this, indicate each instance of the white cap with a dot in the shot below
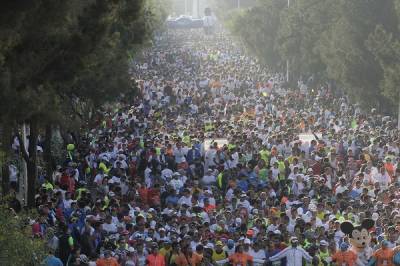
(247, 241)
(153, 224)
(312, 207)
(323, 243)
(300, 211)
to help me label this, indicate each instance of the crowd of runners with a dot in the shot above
(216, 163)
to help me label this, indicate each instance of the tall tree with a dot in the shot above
(343, 49)
(354, 43)
(302, 25)
(56, 55)
(257, 28)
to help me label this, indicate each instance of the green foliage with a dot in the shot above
(355, 43)
(343, 49)
(300, 31)
(256, 29)
(224, 8)
(16, 242)
(59, 60)
(55, 53)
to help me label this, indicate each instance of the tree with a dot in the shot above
(257, 28)
(384, 44)
(343, 49)
(354, 43)
(17, 245)
(59, 55)
(299, 33)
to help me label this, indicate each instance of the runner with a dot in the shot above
(281, 167)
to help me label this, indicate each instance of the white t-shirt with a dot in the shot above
(185, 200)
(110, 228)
(208, 179)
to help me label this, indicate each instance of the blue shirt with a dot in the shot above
(51, 260)
(243, 185)
(172, 199)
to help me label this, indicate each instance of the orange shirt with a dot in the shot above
(107, 262)
(181, 260)
(384, 257)
(348, 258)
(240, 259)
(155, 260)
(390, 169)
(196, 259)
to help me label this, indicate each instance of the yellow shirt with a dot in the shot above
(165, 252)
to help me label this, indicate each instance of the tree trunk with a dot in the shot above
(32, 161)
(6, 149)
(47, 156)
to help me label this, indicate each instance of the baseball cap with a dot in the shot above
(219, 243)
(344, 246)
(247, 241)
(250, 232)
(209, 245)
(277, 232)
(323, 243)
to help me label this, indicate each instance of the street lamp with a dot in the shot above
(287, 60)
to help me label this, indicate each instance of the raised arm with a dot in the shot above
(306, 256)
(280, 255)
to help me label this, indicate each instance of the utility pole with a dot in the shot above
(398, 115)
(196, 8)
(186, 8)
(238, 4)
(24, 184)
(287, 60)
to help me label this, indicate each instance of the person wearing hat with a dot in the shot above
(108, 260)
(345, 256)
(230, 247)
(384, 255)
(131, 257)
(294, 254)
(324, 254)
(218, 252)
